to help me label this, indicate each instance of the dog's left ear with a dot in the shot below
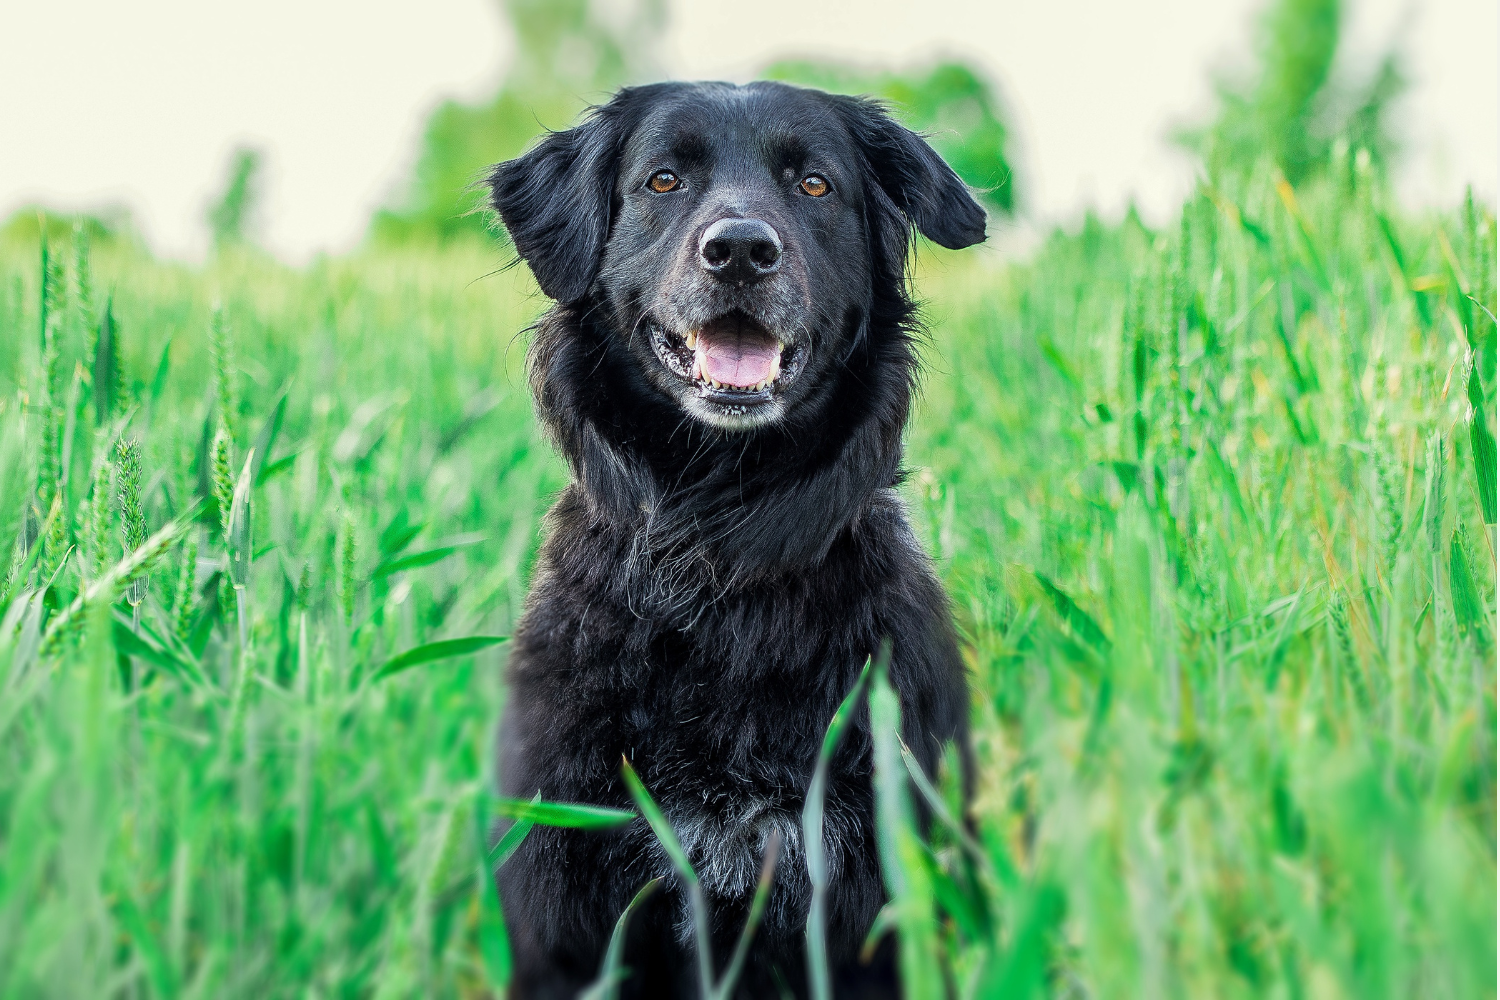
(555, 202)
(914, 176)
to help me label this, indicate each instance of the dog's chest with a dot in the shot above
(727, 743)
(720, 705)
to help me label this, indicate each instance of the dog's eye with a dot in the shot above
(663, 181)
(814, 185)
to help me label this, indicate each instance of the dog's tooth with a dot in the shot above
(697, 367)
(692, 339)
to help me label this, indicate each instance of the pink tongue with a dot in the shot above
(735, 362)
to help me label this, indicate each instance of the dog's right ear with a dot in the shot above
(555, 202)
(913, 176)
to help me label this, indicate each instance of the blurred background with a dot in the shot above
(314, 127)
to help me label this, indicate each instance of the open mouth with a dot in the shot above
(731, 360)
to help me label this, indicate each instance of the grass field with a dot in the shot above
(1215, 504)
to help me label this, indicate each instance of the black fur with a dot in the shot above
(711, 583)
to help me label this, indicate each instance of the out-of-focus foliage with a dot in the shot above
(1296, 106)
(229, 218)
(949, 102)
(567, 52)
(571, 52)
(26, 226)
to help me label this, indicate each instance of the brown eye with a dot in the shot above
(814, 185)
(663, 181)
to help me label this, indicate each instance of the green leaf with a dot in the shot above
(128, 643)
(425, 557)
(1468, 608)
(399, 533)
(163, 368)
(266, 439)
(1058, 361)
(573, 815)
(507, 844)
(271, 470)
(441, 650)
(1079, 620)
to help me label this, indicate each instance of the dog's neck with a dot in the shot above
(742, 505)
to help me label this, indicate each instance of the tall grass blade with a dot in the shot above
(241, 552)
(612, 971)
(106, 366)
(163, 370)
(697, 905)
(819, 980)
(903, 859)
(940, 808)
(494, 942)
(1482, 442)
(1304, 233)
(159, 969)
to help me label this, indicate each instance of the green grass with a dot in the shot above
(1206, 499)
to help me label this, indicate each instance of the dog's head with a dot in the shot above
(737, 242)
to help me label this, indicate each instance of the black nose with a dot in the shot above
(740, 250)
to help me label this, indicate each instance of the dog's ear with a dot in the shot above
(914, 176)
(555, 202)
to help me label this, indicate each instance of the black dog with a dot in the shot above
(728, 371)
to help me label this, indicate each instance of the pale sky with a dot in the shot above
(140, 104)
